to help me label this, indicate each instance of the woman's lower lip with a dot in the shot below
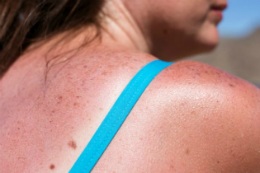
(217, 14)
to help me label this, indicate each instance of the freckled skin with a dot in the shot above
(188, 123)
(189, 119)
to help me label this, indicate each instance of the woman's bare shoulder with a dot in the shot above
(199, 78)
(191, 117)
(209, 119)
(190, 109)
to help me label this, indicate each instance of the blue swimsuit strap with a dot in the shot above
(116, 116)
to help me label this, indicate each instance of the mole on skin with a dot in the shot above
(52, 166)
(231, 85)
(60, 99)
(72, 144)
(76, 104)
(187, 151)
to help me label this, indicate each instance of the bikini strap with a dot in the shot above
(116, 116)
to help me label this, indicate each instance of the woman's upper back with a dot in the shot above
(191, 117)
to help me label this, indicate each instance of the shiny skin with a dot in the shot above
(192, 118)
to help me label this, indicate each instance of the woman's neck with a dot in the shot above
(119, 27)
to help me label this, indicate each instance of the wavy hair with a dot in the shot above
(24, 22)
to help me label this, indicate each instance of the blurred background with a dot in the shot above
(239, 50)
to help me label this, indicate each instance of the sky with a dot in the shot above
(241, 18)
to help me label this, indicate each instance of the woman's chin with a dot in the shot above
(208, 40)
(205, 42)
(209, 46)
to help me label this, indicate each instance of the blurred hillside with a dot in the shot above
(240, 57)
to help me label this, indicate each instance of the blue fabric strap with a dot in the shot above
(116, 116)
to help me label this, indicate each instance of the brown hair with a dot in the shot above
(24, 22)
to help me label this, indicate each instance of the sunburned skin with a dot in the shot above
(187, 119)
(191, 118)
